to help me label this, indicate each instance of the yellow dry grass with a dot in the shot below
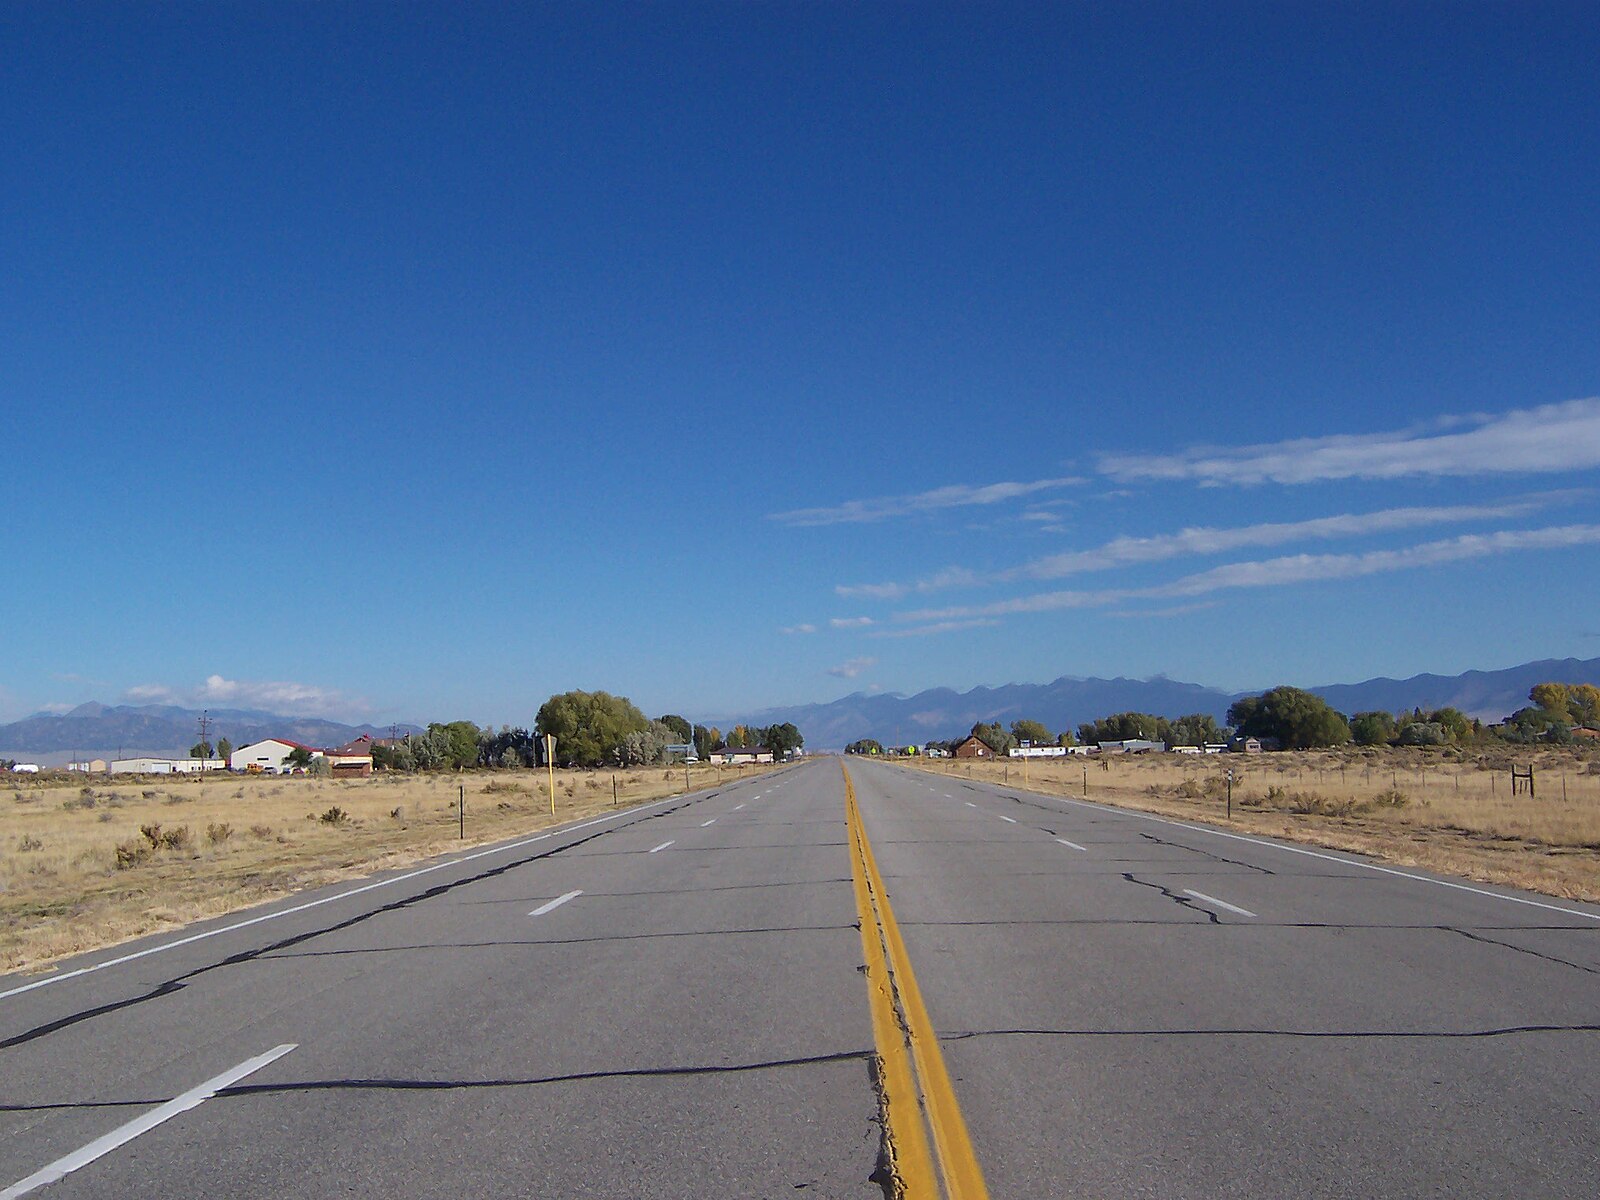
(1448, 812)
(253, 838)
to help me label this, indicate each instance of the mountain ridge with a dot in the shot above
(1067, 701)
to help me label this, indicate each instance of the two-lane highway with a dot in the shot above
(706, 995)
(1135, 1007)
(690, 1020)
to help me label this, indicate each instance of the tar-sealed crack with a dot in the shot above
(1220, 858)
(1549, 958)
(1176, 897)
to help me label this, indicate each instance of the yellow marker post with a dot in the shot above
(550, 762)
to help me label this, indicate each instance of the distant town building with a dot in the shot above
(92, 766)
(742, 754)
(270, 755)
(1037, 752)
(165, 766)
(973, 747)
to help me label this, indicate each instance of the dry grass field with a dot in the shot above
(88, 863)
(1441, 811)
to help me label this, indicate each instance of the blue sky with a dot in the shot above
(418, 361)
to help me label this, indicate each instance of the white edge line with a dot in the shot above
(1233, 908)
(737, 807)
(703, 824)
(1074, 845)
(970, 804)
(123, 1134)
(1333, 858)
(310, 904)
(556, 903)
(663, 846)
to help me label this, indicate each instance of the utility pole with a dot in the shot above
(205, 746)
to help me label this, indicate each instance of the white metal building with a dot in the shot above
(268, 755)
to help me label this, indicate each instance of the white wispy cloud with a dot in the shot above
(1278, 572)
(936, 627)
(794, 629)
(1204, 540)
(852, 668)
(851, 622)
(1548, 438)
(884, 508)
(291, 699)
(1175, 610)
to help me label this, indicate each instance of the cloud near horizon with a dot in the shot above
(884, 508)
(1203, 540)
(283, 697)
(1277, 572)
(852, 668)
(1548, 438)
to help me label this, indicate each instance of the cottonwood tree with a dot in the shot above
(1297, 719)
(782, 739)
(1025, 730)
(589, 726)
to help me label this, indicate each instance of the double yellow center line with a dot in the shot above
(919, 1105)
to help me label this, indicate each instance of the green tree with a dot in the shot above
(1127, 726)
(298, 757)
(1455, 723)
(1196, 729)
(457, 742)
(1025, 730)
(782, 740)
(224, 749)
(1297, 719)
(682, 731)
(865, 746)
(706, 740)
(995, 735)
(589, 726)
(200, 749)
(1373, 728)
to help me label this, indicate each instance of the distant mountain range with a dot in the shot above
(1067, 702)
(160, 731)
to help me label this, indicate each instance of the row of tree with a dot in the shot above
(1295, 719)
(592, 729)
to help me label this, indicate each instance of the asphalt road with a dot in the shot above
(671, 1003)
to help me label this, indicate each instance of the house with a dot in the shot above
(735, 755)
(973, 747)
(352, 758)
(1245, 745)
(269, 755)
(93, 766)
(1215, 747)
(1037, 752)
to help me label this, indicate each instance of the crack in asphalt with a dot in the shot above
(1177, 897)
(1549, 958)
